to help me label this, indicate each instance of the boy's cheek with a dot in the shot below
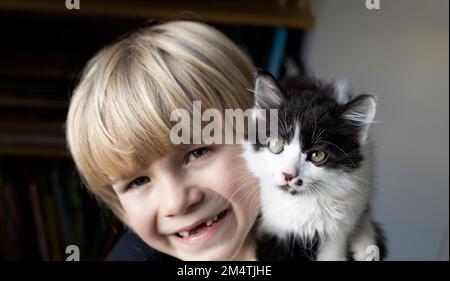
(231, 179)
(220, 177)
(140, 220)
(144, 228)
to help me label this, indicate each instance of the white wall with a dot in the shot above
(400, 52)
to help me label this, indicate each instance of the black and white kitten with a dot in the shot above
(314, 190)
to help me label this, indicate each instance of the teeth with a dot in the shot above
(209, 222)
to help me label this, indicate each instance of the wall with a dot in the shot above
(400, 52)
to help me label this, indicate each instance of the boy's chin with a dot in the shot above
(221, 253)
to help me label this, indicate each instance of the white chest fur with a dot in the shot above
(305, 215)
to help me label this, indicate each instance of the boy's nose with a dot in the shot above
(180, 199)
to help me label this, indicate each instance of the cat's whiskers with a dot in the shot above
(316, 137)
(338, 203)
(368, 183)
(241, 184)
(328, 202)
(241, 190)
(283, 122)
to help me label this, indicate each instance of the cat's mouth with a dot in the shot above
(292, 190)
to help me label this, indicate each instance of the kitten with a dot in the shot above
(315, 195)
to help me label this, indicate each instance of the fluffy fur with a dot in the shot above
(314, 211)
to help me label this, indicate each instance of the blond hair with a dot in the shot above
(119, 114)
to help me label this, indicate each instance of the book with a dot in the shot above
(39, 221)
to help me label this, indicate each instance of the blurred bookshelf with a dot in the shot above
(286, 13)
(44, 206)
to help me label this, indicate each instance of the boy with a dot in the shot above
(191, 202)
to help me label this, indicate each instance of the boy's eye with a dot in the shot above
(140, 181)
(195, 154)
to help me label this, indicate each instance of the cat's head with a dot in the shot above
(319, 139)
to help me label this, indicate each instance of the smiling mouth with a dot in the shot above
(199, 229)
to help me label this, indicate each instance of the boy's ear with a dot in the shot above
(268, 93)
(360, 111)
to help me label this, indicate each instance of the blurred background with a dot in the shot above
(396, 49)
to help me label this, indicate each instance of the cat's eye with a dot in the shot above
(276, 145)
(318, 157)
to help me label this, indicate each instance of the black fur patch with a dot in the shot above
(272, 248)
(312, 104)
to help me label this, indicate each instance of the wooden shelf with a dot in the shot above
(12, 102)
(292, 14)
(32, 138)
(29, 151)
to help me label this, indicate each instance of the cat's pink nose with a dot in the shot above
(288, 177)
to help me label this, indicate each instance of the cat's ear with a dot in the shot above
(360, 111)
(268, 93)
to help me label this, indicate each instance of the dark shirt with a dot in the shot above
(131, 247)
